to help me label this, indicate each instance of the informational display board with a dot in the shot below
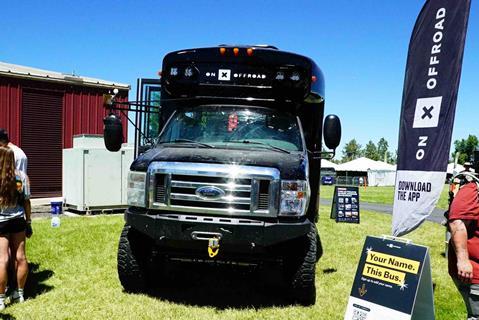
(345, 207)
(393, 281)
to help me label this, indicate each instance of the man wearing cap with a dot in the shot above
(21, 160)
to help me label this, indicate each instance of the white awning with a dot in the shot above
(364, 164)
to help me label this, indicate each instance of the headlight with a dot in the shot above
(136, 189)
(294, 197)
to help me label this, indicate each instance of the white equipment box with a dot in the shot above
(95, 179)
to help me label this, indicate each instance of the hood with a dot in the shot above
(291, 166)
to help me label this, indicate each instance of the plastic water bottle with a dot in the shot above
(55, 221)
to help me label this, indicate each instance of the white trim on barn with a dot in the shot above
(15, 70)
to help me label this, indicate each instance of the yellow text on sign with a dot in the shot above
(384, 274)
(398, 263)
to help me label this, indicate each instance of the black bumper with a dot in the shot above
(169, 227)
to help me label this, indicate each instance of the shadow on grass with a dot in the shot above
(222, 287)
(329, 270)
(35, 279)
(5, 316)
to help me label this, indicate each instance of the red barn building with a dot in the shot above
(42, 111)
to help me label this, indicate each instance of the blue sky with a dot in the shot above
(361, 46)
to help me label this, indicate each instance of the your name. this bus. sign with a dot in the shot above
(393, 282)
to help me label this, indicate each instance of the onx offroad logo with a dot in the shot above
(226, 75)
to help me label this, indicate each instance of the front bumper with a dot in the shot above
(176, 229)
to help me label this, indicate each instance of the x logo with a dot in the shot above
(427, 112)
(224, 74)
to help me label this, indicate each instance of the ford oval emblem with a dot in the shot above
(210, 193)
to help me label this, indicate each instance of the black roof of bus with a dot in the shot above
(261, 55)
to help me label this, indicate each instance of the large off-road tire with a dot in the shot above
(134, 250)
(319, 247)
(301, 269)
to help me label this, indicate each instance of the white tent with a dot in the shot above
(452, 170)
(379, 173)
(364, 164)
(328, 164)
(381, 178)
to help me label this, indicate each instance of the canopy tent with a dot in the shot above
(364, 164)
(378, 173)
(328, 164)
(380, 178)
(454, 168)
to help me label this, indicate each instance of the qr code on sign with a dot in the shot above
(359, 315)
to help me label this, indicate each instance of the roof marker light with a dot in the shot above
(313, 78)
(222, 51)
(236, 51)
(249, 51)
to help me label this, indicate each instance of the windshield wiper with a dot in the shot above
(189, 141)
(260, 143)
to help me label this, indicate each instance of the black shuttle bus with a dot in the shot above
(234, 174)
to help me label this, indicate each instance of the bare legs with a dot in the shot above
(17, 249)
(3, 263)
(16, 242)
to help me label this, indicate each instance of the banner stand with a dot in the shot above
(431, 83)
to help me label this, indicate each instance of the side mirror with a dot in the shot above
(144, 148)
(112, 132)
(332, 131)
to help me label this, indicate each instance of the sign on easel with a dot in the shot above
(393, 281)
(345, 207)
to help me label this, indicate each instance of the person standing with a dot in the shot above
(21, 159)
(463, 254)
(21, 162)
(15, 219)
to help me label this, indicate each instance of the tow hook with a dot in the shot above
(213, 247)
(213, 239)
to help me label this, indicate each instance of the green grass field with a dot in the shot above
(383, 195)
(74, 276)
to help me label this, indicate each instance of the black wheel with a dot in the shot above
(319, 247)
(301, 269)
(134, 250)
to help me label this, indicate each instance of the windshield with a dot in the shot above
(234, 127)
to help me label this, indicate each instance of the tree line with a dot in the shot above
(375, 151)
(463, 150)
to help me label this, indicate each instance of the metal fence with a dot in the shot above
(351, 181)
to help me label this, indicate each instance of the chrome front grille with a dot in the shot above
(237, 192)
(242, 190)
